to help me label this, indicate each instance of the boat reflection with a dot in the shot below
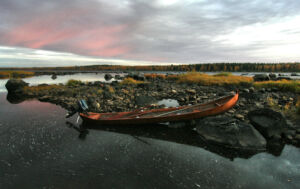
(185, 135)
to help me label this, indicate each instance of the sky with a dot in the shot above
(143, 32)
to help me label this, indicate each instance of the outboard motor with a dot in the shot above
(82, 108)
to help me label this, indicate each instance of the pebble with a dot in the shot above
(246, 90)
(240, 116)
(297, 137)
(191, 91)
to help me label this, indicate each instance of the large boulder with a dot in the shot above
(137, 76)
(261, 77)
(272, 76)
(15, 85)
(231, 133)
(108, 77)
(269, 123)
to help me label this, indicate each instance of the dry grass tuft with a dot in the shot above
(154, 76)
(74, 83)
(220, 80)
(130, 81)
(284, 85)
(298, 105)
(223, 74)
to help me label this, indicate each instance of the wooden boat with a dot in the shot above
(173, 114)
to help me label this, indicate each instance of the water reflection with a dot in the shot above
(48, 79)
(38, 150)
(185, 135)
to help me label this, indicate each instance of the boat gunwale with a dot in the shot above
(227, 100)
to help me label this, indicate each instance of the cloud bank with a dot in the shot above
(185, 31)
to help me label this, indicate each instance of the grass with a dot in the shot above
(283, 85)
(15, 74)
(220, 80)
(223, 74)
(130, 81)
(111, 89)
(298, 105)
(41, 88)
(73, 83)
(154, 76)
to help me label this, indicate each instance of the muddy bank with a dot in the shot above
(117, 97)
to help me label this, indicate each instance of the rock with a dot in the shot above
(118, 77)
(110, 102)
(262, 90)
(246, 90)
(176, 125)
(251, 89)
(261, 77)
(108, 77)
(268, 122)
(15, 85)
(297, 137)
(295, 74)
(191, 91)
(53, 76)
(144, 100)
(289, 132)
(239, 116)
(137, 76)
(275, 95)
(230, 132)
(272, 76)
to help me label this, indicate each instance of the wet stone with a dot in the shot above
(230, 132)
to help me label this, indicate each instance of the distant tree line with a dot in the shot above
(212, 67)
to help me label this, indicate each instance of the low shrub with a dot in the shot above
(73, 83)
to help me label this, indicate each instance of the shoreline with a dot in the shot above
(119, 97)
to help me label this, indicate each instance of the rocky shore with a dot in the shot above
(251, 124)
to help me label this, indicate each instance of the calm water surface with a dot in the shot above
(39, 150)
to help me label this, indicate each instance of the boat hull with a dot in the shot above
(117, 119)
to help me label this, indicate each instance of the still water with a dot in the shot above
(39, 150)
(60, 79)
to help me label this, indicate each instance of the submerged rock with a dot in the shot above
(268, 122)
(231, 133)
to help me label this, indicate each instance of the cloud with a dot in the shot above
(186, 31)
(25, 57)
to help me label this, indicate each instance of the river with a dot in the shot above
(39, 150)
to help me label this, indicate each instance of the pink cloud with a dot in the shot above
(58, 31)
